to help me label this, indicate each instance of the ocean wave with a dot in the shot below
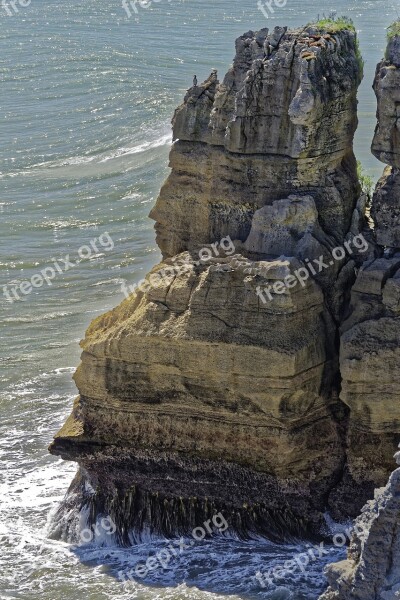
(36, 318)
(101, 158)
(162, 141)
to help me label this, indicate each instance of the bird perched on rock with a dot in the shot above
(194, 81)
(214, 74)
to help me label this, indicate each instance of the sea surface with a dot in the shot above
(86, 98)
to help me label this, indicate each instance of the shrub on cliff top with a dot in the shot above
(367, 183)
(333, 24)
(393, 30)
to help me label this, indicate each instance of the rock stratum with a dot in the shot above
(218, 386)
(370, 356)
(372, 569)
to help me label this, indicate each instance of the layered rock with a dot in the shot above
(194, 390)
(372, 569)
(386, 147)
(216, 388)
(370, 339)
(281, 122)
(386, 142)
(369, 361)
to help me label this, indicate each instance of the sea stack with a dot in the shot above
(370, 356)
(370, 341)
(216, 388)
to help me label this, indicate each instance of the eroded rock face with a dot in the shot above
(281, 122)
(369, 366)
(370, 340)
(369, 360)
(386, 147)
(372, 569)
(197, 370)
(217, 388)
(386, 143)
(386, 209)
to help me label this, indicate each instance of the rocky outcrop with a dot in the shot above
(372, 569)
(281, 122)
(385, 209)
(216, 387)
(386, 143)
(370, 339)
(219, 397)
(369, 360)
(386, 147)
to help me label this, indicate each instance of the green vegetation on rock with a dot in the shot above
(334, 24)
(393, 30)
(366, 181)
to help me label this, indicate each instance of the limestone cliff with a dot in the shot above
(386, 146)
(369, 361)
(370, 341)
(281, 122)
(372, 569)
(216, 387)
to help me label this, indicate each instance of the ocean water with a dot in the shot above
(87, 94)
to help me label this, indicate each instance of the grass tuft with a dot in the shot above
(333, 23)
(367, 183)
(393, 30)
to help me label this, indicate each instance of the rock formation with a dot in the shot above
(216, 387)
(386, 147)
(369, 360)
(370, 340)
(281, 122)
(372, 568)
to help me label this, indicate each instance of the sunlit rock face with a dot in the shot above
(369, 366)
(282, 121)
(370, 339)
(216, 388)
(371, 571)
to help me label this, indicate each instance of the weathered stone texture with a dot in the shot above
(235, 395)
(372, 569)
(282, 122)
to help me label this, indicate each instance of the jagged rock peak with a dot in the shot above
(282, 122)
(281, 85)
